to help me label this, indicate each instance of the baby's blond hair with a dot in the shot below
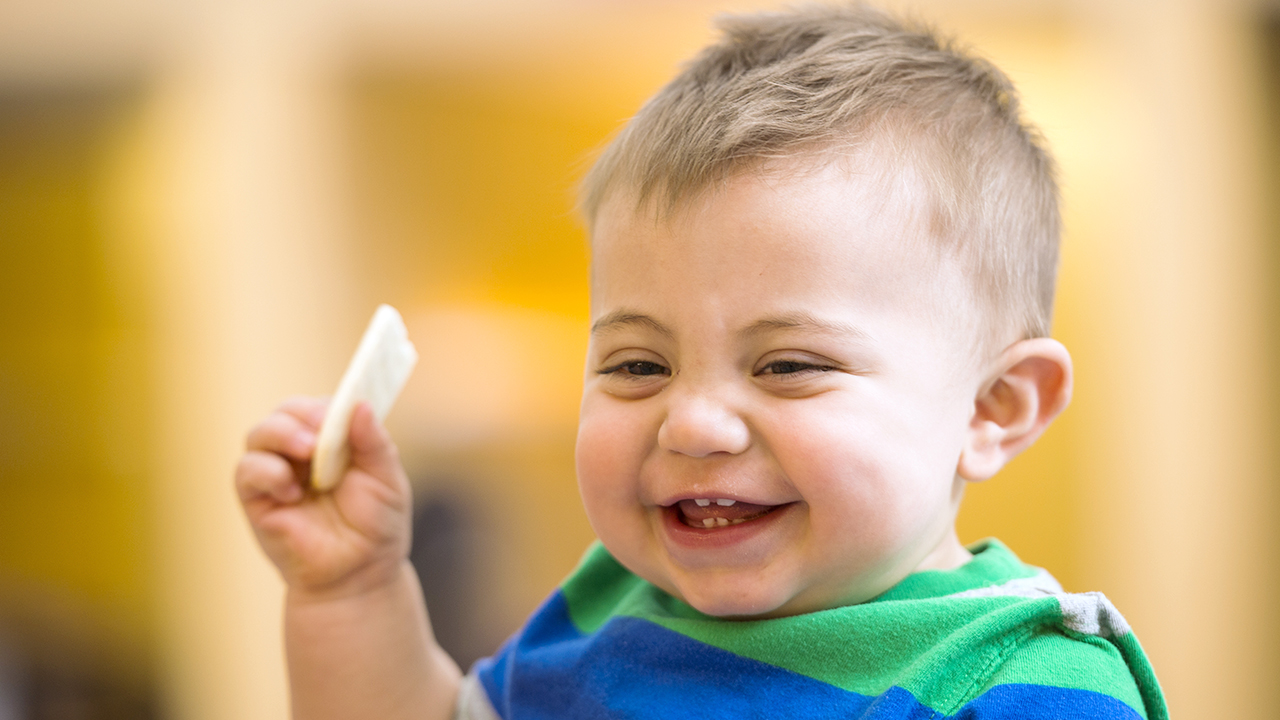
(823, 80)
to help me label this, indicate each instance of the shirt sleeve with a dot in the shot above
(473, 701)
(1061, 674)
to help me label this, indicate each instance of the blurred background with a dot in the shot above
(202, 201)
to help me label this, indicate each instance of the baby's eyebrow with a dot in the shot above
(805, 322)
(619, 319)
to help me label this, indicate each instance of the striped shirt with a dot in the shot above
(994, 638)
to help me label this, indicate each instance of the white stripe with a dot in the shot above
(1088, 613)
(473, 701)
(1092, 614)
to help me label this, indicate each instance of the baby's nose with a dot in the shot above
(699, 425)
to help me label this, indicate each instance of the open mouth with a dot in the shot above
(711, 513)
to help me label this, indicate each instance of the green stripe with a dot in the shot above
(831, 645)
(597, 587)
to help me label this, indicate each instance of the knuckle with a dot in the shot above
(260, 434)
(250, 438)
(245, 466)
(246, 469)
(256, 469)
(269, 434)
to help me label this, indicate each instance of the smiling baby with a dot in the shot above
(822, 279)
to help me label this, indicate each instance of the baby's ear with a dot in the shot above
(1030, 387)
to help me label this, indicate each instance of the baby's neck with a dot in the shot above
(948, 555)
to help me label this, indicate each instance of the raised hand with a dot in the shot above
(346, 541)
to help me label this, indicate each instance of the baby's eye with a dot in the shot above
(792, 367)
(637, 368)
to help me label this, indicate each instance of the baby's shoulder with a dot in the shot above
(1015, 640)
(1045, 650)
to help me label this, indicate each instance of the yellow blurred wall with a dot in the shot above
(75, 547)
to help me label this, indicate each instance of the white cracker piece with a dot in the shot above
(377, 373)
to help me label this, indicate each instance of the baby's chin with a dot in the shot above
(735, 608)
(751, 598)
(732, 598)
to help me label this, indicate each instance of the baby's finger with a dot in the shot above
(261, 474)
(371, 446)
(283, 433)
(309, 410)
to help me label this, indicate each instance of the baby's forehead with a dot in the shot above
(806, 207)
(804, 212)
(859, 183)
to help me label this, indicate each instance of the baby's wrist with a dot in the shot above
(370, 582)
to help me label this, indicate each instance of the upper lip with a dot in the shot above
(712, 495)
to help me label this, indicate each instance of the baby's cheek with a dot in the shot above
(608, 480)
(608, 457)
(596, 467)
(862, 494)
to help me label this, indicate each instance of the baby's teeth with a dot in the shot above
(708, 522)
(702, 502)
(722, 521)
(725, 502)
(736, 521)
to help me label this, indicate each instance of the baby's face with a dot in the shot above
(776, 395)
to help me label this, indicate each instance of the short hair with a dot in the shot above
(816, 79)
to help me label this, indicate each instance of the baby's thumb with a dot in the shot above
(372, 449)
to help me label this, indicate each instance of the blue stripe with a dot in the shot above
(1043, 702)
(632, 668)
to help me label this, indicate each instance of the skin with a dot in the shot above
(786, 341)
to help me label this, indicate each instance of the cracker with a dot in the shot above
(377, 373)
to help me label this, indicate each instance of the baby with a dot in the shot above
(823, 268)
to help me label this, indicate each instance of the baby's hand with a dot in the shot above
(337, 543)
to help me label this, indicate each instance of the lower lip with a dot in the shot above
(694, 538)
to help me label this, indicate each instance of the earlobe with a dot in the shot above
(1030, 387)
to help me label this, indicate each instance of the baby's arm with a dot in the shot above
(356, 632)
